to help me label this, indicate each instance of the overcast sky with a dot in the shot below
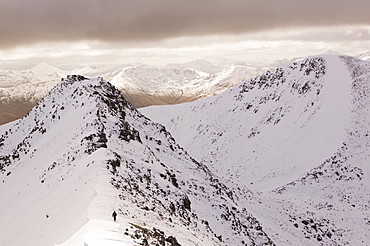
(161, 31)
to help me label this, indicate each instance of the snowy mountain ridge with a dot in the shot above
(281, 159)
(298, 139)
(84, 151)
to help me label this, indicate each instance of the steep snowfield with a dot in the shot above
(298, 139)
(83, 152)
(270, 114)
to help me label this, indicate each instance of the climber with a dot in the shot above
(114, 215)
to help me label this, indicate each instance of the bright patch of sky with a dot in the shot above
(257, 48)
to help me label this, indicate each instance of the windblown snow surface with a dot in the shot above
(294, 144)
(83, 152)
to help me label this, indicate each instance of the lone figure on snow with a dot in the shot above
(114, 215)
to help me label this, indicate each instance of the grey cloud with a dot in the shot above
(24, 22)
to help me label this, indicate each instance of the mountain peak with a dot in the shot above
(87, 102)
(44, 68)
(75, 78)
(84, 151)
(298, 138)
(333, 52)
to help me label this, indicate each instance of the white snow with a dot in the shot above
(100, 229)
(303, 145)
(300, 142)
(290, 149)
(83, 152)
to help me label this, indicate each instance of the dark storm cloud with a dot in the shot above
(25, 22)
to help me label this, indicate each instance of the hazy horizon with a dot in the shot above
(161, 32)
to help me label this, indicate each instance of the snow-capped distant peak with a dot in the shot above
(46, 70)
(333, 52)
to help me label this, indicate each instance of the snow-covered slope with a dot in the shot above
(83, 152)
(199, 65)
(365, 56)
(298, 138)
(39, 73)
(20, 90)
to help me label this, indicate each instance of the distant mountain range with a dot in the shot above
(142, 85)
